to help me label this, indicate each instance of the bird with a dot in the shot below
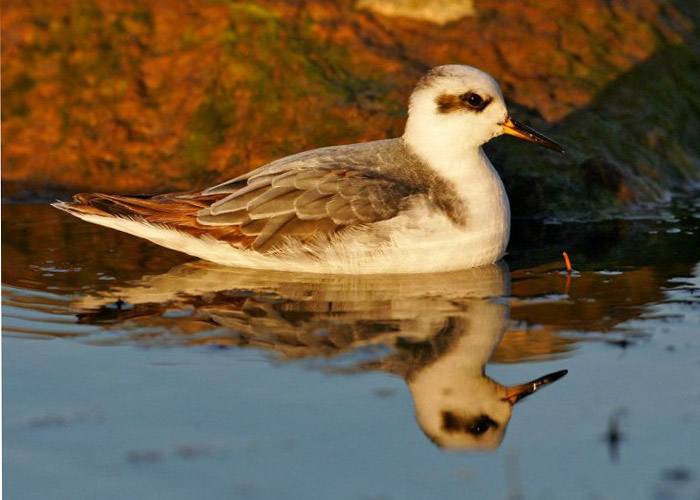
(427, 201)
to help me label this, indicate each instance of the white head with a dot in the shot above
(455, 109)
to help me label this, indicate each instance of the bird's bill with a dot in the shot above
(518, 392)
(517, 129)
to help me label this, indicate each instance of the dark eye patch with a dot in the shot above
(470, 101)
(450, 422)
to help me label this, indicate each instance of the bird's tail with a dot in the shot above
(176, 211)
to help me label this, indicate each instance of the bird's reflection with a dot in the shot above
(440, 331)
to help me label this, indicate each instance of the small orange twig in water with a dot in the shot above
(567, 262)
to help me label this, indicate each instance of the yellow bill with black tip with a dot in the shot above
(517, 129)
(518, 392)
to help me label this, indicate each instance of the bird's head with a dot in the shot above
(460, 108)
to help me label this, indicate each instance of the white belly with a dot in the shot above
(419, 243)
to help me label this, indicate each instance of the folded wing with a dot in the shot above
(303, 202)
(319, 192)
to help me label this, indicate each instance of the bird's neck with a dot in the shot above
(467, 167)
(476, 182)
(449, 156)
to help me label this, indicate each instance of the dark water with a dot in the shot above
(130, 371)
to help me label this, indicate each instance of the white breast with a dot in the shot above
(423, 239)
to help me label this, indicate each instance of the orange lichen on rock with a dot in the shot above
(171, 94)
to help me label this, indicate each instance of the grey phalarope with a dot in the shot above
(428, 201)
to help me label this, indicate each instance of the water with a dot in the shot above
(130, 371)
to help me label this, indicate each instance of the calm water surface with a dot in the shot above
(130, 371)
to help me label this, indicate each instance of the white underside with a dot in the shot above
(417, 241)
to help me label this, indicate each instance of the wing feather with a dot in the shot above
(253, 227)
(274, 224)
(226, 219)
(312, 193)
(238, 200)
(340, 211)
(312, 205)
(363, 210)
(271, 204)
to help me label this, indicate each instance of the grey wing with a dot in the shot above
(301, 199)
(351, 156)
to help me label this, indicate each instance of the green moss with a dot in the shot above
(206, 128)
(189, 39)
(252, 10)
(142, 14)
(14, 96)
(306, 69)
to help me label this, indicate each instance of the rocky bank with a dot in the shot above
(157, 95)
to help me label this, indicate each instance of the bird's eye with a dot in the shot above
(478, 428)
(480, 425)
(473, 99)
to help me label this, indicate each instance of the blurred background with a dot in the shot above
(158, 95)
